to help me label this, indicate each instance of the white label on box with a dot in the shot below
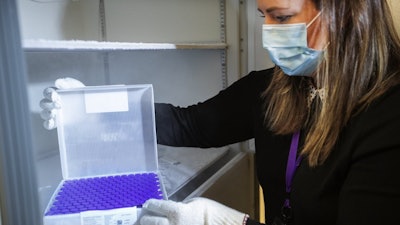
(122, 216)
(115, 101)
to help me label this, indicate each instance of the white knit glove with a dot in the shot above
(196, 211)
(51, 101)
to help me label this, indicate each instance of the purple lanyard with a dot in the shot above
(292, 164)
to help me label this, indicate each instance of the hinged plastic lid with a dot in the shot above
(106, 130)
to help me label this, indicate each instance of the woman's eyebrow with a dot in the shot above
(269, 10)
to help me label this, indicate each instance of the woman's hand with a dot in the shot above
(196, 211)
(51, 101)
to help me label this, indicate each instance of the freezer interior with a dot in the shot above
(187, 50)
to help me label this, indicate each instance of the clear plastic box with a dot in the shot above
(108, 153)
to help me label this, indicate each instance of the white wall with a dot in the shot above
(126, 20)
(162, 21)
(59, 20)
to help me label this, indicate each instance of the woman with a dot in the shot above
(345, 109)
(325, 119)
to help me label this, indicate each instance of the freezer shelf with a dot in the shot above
(179, 166)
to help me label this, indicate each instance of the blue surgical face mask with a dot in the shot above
(287, 47)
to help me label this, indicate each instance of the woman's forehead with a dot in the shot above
(281, 4)
(287, 7)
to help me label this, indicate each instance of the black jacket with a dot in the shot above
(359, 184)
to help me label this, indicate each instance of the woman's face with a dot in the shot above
(295, 11)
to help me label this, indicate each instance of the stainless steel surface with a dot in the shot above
(178, 166)
(194, 185)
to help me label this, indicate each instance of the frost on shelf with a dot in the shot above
(93, 45)
(38, 45)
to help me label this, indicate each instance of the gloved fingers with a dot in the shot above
(51, 101)
(161, 207)
(46, 114)
(49, 105)
(51, 94)
(153, 220)
(49, 124)
(68, 82)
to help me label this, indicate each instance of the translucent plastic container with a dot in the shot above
(108, 154)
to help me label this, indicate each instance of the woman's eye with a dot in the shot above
(282, 19)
